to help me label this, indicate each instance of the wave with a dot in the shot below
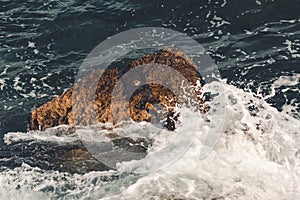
(256, 155)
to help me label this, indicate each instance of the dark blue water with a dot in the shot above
(254, 43)
(42, 43)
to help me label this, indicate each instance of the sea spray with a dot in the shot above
(257, 156)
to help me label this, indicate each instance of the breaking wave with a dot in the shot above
(256, 156)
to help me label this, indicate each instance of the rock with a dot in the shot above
(71, 155)
(144, 103)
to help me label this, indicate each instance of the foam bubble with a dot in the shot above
(257, 156)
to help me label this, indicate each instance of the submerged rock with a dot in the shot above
(151, 102)
(146, 102)
(60, 148)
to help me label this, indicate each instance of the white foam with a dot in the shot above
(2, 83)
(285, 84)
(256, 157)
(31, 44)
(291, 80)
(50, 134)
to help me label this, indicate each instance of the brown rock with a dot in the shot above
(145, 100)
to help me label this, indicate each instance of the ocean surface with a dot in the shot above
(256, 47)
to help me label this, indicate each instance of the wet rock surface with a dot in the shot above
(67, 153)
(149, 102)
(141, 104)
